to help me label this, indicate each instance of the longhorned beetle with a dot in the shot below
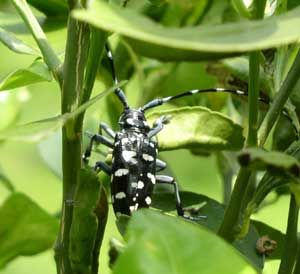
(134, 156)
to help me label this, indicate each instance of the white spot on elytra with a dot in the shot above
(130, 121)
(122, 171)
(151, 177)
(134, 199)
(148, 157)
(151, 145)
(148, 200)
(134, 208)
(134, 184)
(125, 141)
(120, 195)
(128, 155)
(140, 185)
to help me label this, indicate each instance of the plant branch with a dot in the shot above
(97, 43)
(49, 55)
(297, 264)
(230, 227)
(74, 66)
(279, 101)
(289, 250)
(253, 98)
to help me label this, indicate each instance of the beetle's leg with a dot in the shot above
(106, 129)
(99, 139)
(160, 165)
(159, 125)
(103, 166)
(163, 179)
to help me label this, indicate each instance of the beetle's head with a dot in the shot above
(134, 119)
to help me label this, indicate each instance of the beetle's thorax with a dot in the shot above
(134, 120)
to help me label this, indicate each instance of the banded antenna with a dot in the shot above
(160, 101)
(118, 91)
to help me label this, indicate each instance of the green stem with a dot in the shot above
(253, 98)
(241, 8)
(102, 214)
(279, 101)
(97, 42)
(297, 265)
(229, 228)
(49, 55)
(75, 58)
(289, 250)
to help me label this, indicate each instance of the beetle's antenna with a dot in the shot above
(118, 91)
(160, 101)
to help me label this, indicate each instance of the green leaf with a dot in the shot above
(270, 160)
(26, 229)
(283, 134)
(192, 43)
(215, 213)
(37, 72)
(162, 244)
(271, 181)
(16, 45)
(38, 130)
(198, 127)
(51, 7)
(85, 224)
(10, 106)
(50, 151)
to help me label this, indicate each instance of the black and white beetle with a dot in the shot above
(134, 156)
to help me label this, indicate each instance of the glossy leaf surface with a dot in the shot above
(162, 244)
(198, 127)
(192, 43)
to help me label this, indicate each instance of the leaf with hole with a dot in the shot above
(198, 127)
(192, 43)
(26, 229)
